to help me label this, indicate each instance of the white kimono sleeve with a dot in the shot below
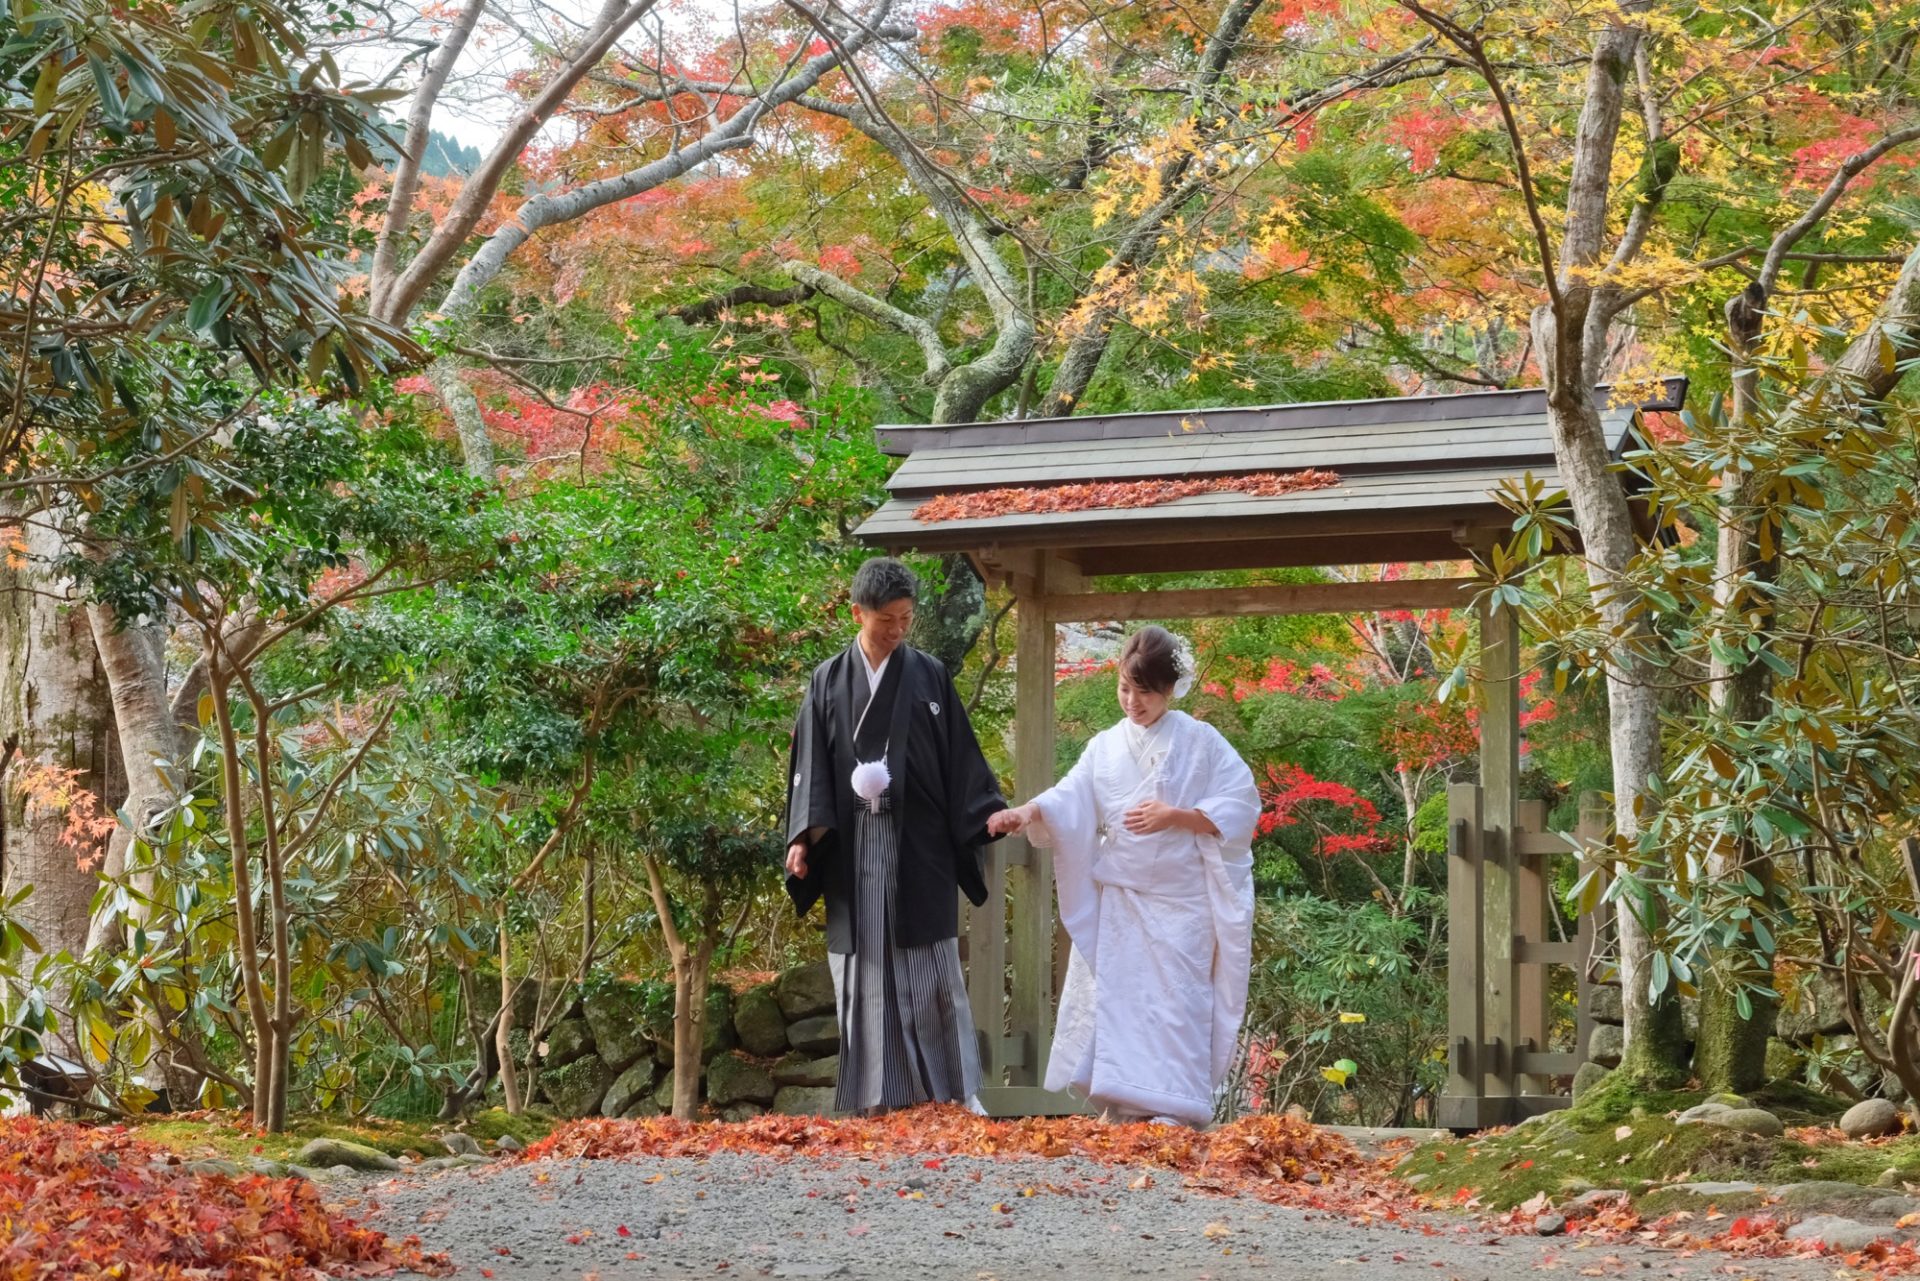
(1069, 823)
(1232, 802)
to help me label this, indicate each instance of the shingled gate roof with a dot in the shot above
(1415, 475)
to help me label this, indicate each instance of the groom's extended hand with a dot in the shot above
(797, 859)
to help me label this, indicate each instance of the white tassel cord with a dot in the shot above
(870, 780)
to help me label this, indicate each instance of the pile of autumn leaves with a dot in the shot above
(78, 1200)
(1245, 1156)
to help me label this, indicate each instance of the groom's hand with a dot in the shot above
(797, 859)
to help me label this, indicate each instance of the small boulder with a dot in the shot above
(798, 1069)
(617, 1014)
(1549, 1225)
(719, 1035)
(1836, 1233)
(806, 992)
(757, 1020)
(214, 1165)
(1700, 1113)
(631, 1086)
(1605, 1044)
(1870, 1119)
(1588, 1078)
(331, 1153)
(1757, 1121)
(1603, 1004)
(459, 1144)
(1588, 1204)
(270, 1169)
(507, 1143)
(569, 1041)
(816, 1036)
(1889, 1178)
(1891, 1209)
(800, 1100)
(577, 1089)
(1826, 1196)
(732, 1079)
(742, 1111)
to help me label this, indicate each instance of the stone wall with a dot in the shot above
(771, 1048)
(1810, 1018)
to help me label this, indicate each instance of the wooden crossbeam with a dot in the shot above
(1275, 599)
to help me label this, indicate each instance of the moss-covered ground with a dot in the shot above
(1621, 1137)
(232, 1134)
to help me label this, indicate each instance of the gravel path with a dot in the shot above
(971, 1220)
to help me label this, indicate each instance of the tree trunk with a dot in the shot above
(1731, 1053)
(53, 698)
(150, 738)
(246, 931)
(692, 976)
(1656, 1041)
(476, 446)
(135, 665)
(509, 1075)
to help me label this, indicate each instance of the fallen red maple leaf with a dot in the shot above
(96, 1201)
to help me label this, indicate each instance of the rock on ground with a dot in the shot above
(1837, 1233)
(1870, 1119)
(1748, 1121)
(327, 1153)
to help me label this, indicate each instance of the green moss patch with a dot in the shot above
(1620, 1137)
(231, 1134)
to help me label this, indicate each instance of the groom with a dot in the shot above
(889, 856)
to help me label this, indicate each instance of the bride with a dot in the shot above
(1152, 832)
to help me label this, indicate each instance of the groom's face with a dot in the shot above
(882, 629)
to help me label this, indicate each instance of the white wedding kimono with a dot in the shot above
(1162, 925)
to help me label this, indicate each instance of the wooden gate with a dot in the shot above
(1500, 1066)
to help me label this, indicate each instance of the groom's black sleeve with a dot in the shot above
(810, 798)
(973, 795)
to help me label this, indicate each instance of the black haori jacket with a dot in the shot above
(941, 793)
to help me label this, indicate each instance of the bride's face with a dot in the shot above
(1142, 706)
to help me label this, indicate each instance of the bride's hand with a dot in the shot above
(1010, 822)
(1149, 817)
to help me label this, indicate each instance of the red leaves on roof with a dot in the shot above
(1027, 500)
(84, 1201)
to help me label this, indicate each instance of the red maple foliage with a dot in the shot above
(1344, 821)
(95, 1201)
(1029, 500)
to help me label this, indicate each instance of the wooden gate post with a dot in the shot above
(1500, 822)
(1459, 1105)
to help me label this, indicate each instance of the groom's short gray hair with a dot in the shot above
(882, 581)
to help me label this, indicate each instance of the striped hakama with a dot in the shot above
(906, 1030)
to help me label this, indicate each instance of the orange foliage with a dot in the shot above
(50, 789)
(1109, 495)
(1251, 1155)
(80, 1201)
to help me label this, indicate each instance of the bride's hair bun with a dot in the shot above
(1151, 660)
